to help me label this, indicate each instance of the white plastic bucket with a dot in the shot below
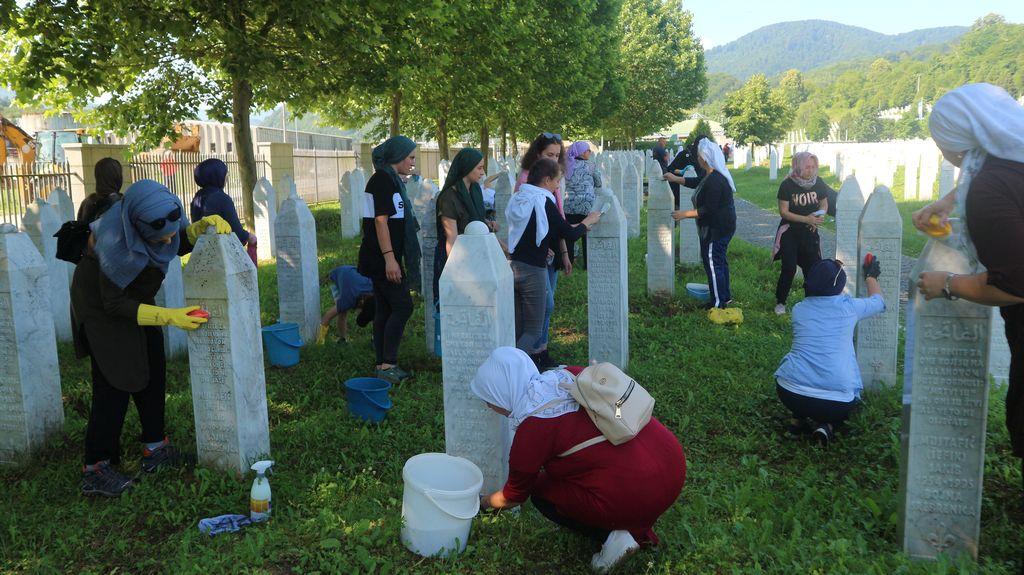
(441, 498)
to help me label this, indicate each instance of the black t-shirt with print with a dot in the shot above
(381, 198)
(803, 202)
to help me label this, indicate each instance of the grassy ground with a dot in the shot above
(754, 502)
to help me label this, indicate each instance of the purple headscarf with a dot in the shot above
(576, 150)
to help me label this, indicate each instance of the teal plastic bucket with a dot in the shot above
(282, 342)
(368, 398)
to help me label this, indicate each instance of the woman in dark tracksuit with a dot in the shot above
(716, 218)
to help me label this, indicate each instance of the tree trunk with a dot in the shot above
(396, 108)
(504, 139)
(241, 104)
(515, 146)
(442, 136)
(485, 144)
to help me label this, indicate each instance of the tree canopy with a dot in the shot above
(756, 114)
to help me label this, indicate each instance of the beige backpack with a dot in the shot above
(618, 405)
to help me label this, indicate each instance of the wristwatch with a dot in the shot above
(947, 292)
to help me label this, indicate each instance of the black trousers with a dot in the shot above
(819, 410)
(393, 309)
(547, 509)
(110, 405)
(797, 246)
(1013, 316)
(570, 244)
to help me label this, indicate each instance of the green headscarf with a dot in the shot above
(473, 198)
(394, 150)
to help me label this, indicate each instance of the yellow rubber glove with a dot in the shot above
(177, 317)
(727, 316)
(199, 228)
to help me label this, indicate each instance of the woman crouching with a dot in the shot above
(612, 494)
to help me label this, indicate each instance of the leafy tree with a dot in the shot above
(865, 125)
(756, 114)
(818, 126)
(701, 128)
(909, 127)
(793, 90)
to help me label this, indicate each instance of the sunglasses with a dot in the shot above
(159, 223)
(552, 136)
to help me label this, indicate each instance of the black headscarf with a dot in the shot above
(109, 177)
(473, 198)
(392, 151)
(211, 173)
(825, 278)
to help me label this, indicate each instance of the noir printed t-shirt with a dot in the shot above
(803, 202)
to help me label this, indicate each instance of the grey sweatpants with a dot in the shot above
(531, 285)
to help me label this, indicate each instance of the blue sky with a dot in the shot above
(722, 21)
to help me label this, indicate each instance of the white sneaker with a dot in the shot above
(780, 309)
(618, 546)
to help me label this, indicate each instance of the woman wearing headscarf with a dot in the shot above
(581, 179)
(716, 218)
(389, 233)
(117, 325)
(534, 224)
(612, 494)
(980, 128)
(803, 203)
(460, 202)
(819, 380)
(109, 180)
(211, 200)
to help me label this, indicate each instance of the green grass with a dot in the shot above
(753, 502)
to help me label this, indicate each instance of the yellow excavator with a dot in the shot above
(14, 138)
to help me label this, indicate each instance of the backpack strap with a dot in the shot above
(583, 445)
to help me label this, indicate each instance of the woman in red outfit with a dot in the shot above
(610, 493)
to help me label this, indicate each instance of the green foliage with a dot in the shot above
(793, 90)
(864, 125)
(818, 126)
(701, 128)
(756, 114)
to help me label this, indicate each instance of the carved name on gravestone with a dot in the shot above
(661, 277)
(425, 206)
(30, 398)
(633, 192)
(689, 240)
(849, 205)
(502, 194)
(880, 233)
(172, 295)
(264, 198)
(229, 396)
(40, 222)
(477, 316)
(608, 285)
(298, 280)
(945, 455)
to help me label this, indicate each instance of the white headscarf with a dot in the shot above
(528, 200)
(977, 120)
(714, 157)
(509, 379)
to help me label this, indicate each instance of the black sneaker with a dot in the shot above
(393, 375)
(104, 480)
(823, 434)
(166, 456)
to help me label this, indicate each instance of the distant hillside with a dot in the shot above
(809, 44)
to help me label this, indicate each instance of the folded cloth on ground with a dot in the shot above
(223, 524)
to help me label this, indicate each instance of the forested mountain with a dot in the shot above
(809, 44)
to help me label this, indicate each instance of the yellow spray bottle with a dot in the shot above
(259, 495)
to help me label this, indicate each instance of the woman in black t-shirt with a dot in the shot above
(382, 251)
(803, 202)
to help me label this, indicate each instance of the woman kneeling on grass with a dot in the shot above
(612, 494)
(819, 379)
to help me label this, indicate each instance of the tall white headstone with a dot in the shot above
(477, 316)
(31, 410)
(425, 206)
(298, 280)
(608, 285)
(945, 451)
(881, 234)
(689, 240)
(264, 198)
(633, 193)
(999, 350)
(66, 210)
(502, 195)
(615, 168)
(172, 295)
(929, 171)
(229, 395)
(442, 171)
(773, 165)
(40, 222)
(351, 199)
(910, 170)
(661, 277)
(849, 205)
(946, 178)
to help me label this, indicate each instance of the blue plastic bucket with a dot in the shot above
(368, 398)
(282, 342)
(701, 292)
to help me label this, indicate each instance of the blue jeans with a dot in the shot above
(542, 343)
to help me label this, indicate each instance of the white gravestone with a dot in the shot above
(229, 395)
(172, 295)
(689, 240)
(865, 179)
(661, 277)
(738, 157)
(945, 450)
(425, 206)
(264, 199)
(929, 171)
(633, 192)
(40, 222)
(849, 205)
(773, 165)
(910, 170)
(999, 350)
(881, 234)
(66, 210)
(615, 172)
(502, 195)
(298, 280)
(30, 397)
(351, 199)
(608, 285)
(442, 171)
(946, 178)
(477, 316)
(749, 163)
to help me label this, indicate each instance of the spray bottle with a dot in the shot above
(259, 495)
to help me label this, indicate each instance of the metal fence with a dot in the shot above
(318, 173)
(21, 184)
(174, 170)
